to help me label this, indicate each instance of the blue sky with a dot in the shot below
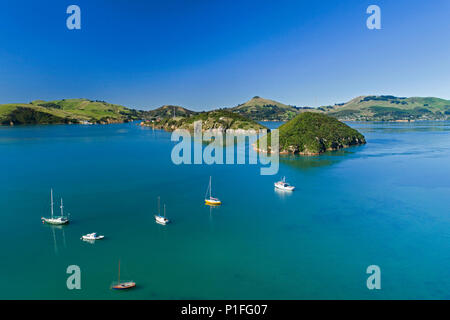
(208, 54)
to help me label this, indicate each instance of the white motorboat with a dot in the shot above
(283, 185)
(92, 236)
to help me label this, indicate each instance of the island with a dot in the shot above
(313, 133)
(216, 120)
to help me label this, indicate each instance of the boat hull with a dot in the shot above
(213, 202)
(161, 220)
(92, 238)
(124, 286)
(284, 188)
(54, 221)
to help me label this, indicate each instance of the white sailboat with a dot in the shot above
(283, 185)
(211, 200)
(55, 220)
(161, 219)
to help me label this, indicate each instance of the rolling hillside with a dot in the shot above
(363, 108)
(390, 108)
(260, 109)
(168, 111)
(65, 111)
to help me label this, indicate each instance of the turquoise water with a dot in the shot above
(385, 203)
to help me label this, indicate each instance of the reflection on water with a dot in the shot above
(308, 162)
(283, 194)
(58, 236)
(212, 208)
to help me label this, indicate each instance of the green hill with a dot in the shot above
(260, 109)
(313, 133)
(390, 108)
(168, 111)
(216, 119)
(65, 111)
(363, 108)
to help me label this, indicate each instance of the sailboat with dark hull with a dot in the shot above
(123, 285)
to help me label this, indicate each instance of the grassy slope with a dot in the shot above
(62, 111)
(259, 108)
(391, 108)
(167, 111)
(6, 109)
(359, 108)
(314, 133)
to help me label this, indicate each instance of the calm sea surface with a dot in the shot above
(386, 203)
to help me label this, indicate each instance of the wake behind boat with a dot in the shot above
(283, 185)
(55, 220)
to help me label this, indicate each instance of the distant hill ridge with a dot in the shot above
(362, 108)
(168, 111)
(260, 109)
(390, 108)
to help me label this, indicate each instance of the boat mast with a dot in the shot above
(159, 206)
(119, 273)
(210, 187)
(164, 211)
(51, 201)
(62, 208)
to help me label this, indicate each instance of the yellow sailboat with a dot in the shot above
(211, 201)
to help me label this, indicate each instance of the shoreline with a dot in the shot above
(211, 130)
(285, 152)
